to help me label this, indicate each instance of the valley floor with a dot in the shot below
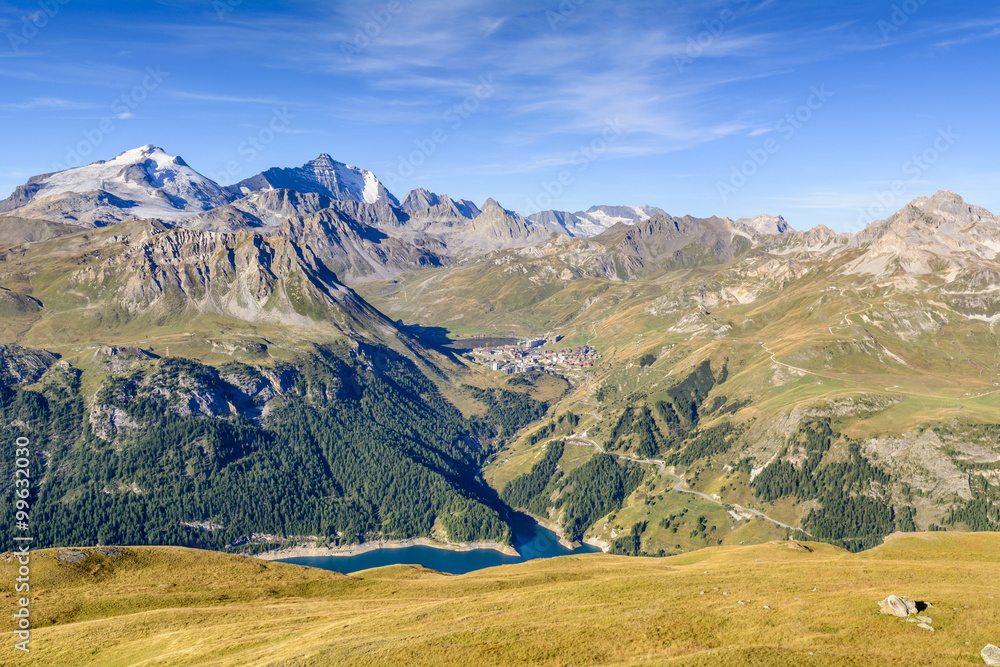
(780, 603)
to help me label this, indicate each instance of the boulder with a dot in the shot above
(897, 606)
(71, 555)
(991, 654)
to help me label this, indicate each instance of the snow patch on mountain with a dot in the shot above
(370, 194)
(609, 216)
(766, 224)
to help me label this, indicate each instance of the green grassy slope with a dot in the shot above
(906, 371)
(812, 606)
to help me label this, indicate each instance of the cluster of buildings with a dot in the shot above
(526, 356)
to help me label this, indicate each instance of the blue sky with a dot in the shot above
(824, 112)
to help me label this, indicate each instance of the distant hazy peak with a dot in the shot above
(423, 200)
(594, 220)
(951, 206)
(419, 199)
(496, 221)
(765, 224)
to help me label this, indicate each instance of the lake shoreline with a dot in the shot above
(561, 536)
(315, 551)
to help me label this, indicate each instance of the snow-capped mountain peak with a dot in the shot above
(594, 220)
(137, 169)
(144, 182)
(324, 176)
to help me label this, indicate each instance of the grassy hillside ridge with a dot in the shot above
(201, 294)
(804, 603)
(906, 373)
(802, 465)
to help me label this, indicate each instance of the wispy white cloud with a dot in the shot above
(490, 26)
(959, 31)
(565, 81)
(46, 103)
(975, 36)
(562, 82)
(213, 97)
(552, 161)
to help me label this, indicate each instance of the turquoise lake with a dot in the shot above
(539, 543)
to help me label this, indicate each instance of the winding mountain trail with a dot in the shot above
(794, 368)
(679, 486)
(847, 316)
(839, 379)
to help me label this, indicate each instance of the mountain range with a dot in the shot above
(376, 235)
(189, 341)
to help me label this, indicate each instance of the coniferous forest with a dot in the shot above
(354, 443)
(351, 451)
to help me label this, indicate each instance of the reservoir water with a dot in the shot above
(538, 543)
(471, 343)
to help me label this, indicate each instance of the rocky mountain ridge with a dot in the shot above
(347, 216)
(942, 233)
(243, 275)
(148, 183)
(424, 204)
